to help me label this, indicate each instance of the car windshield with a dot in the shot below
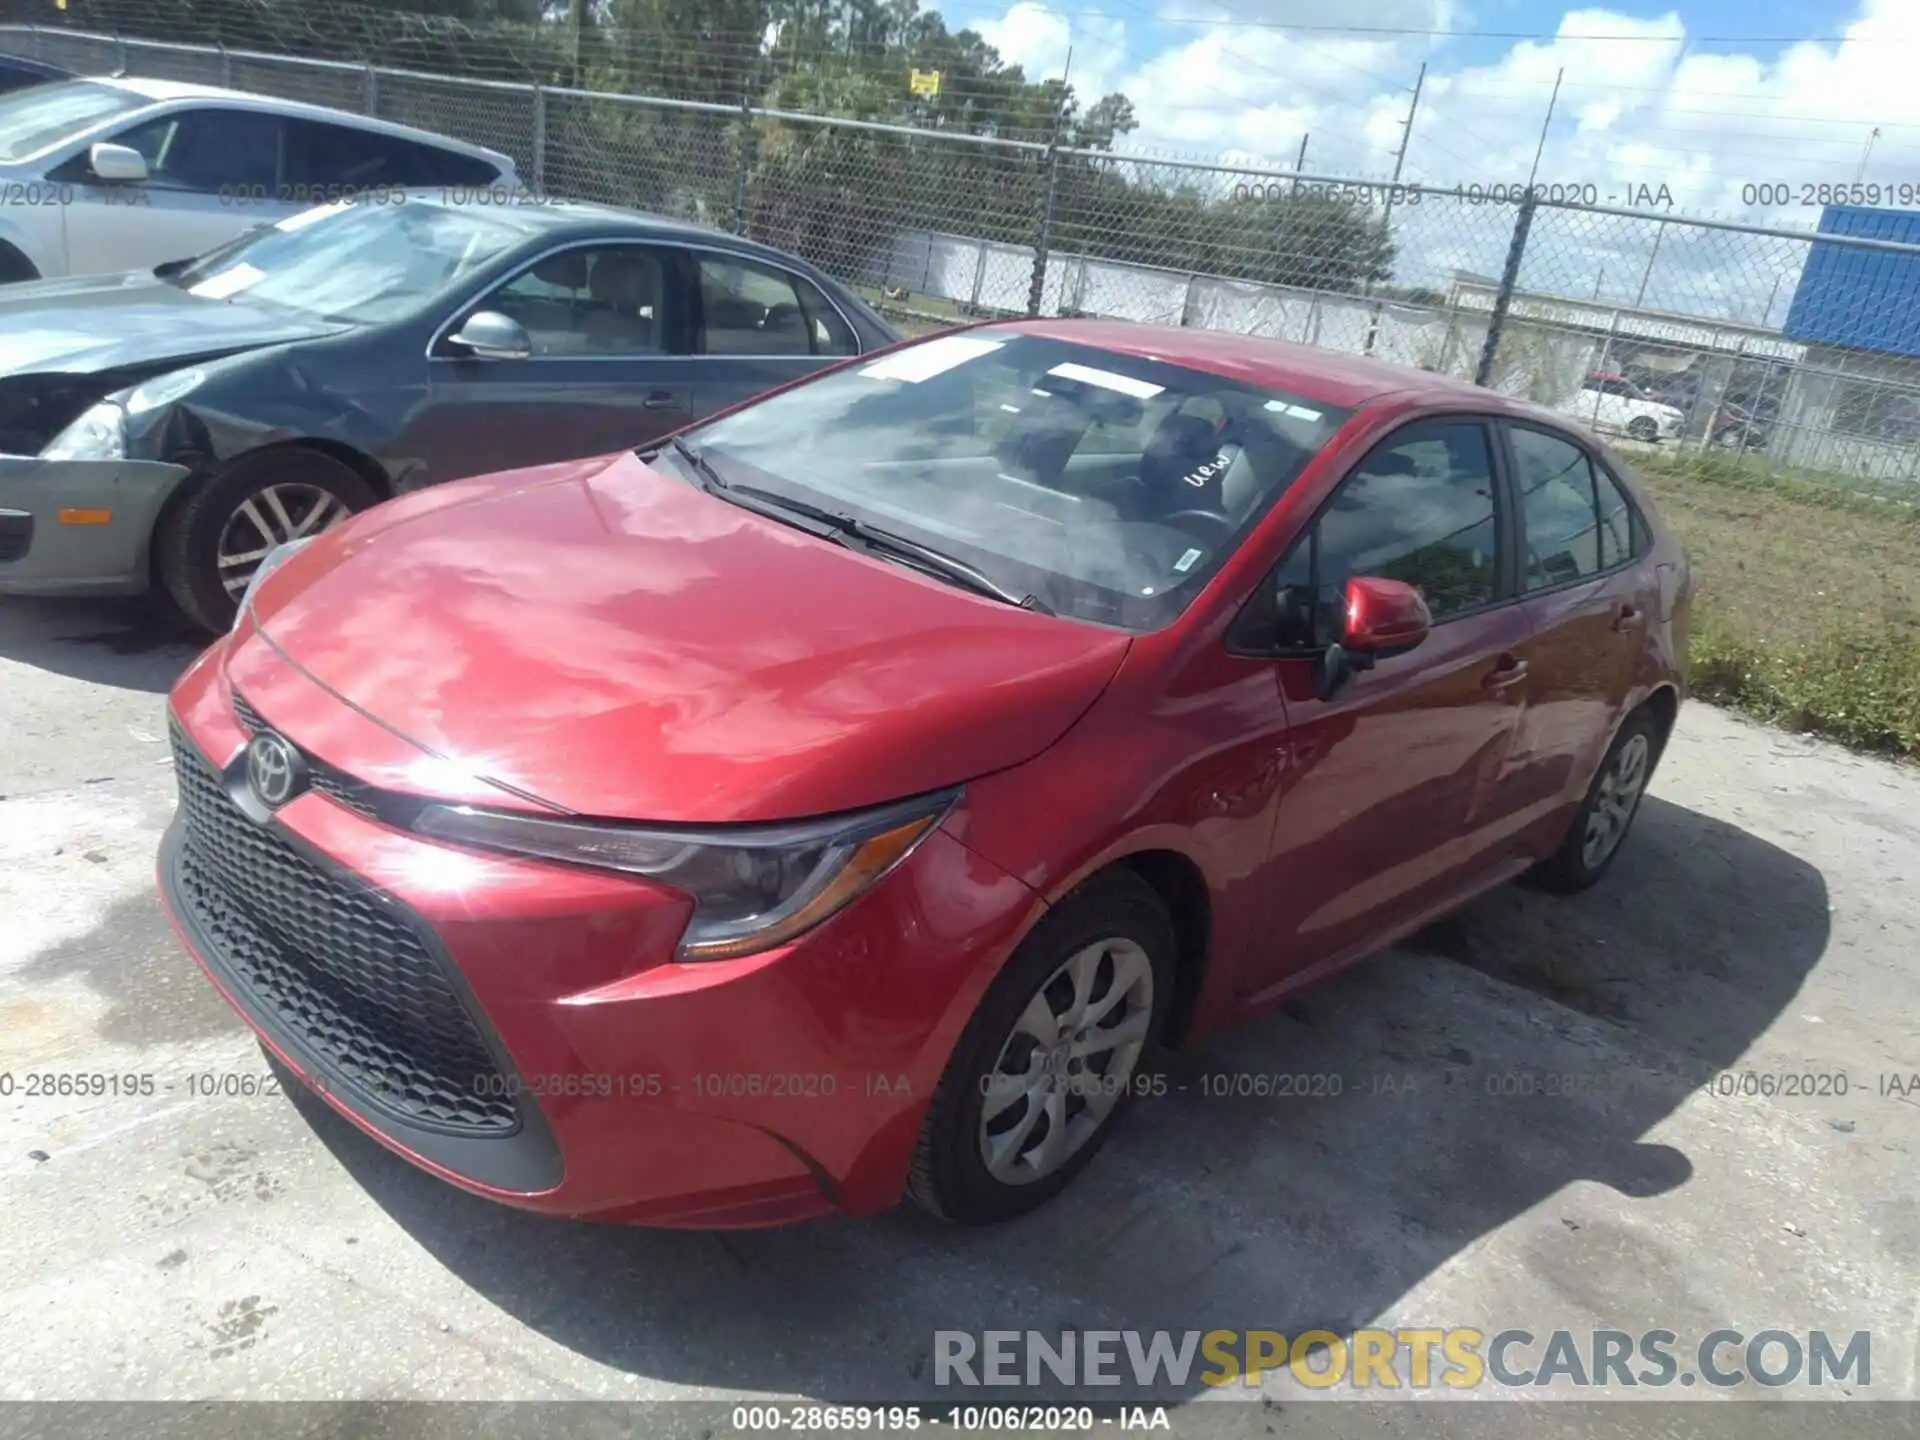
(363, 263)
(42, 116)
(1109, 488)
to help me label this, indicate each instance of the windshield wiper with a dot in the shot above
(710, 478)
(840, 527)
(925, 557)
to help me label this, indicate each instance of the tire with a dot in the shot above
(1118, 920)
(14, 266)
(1578, 864)
(190, 543)
(1643, 429)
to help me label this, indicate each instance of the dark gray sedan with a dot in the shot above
(167, 429)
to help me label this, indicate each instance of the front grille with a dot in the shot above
(344, 971)
(336, 785)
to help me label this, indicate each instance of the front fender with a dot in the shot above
(35, 231)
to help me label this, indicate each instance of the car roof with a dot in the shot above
(1325, 376)
(566, 219)
(159, 91)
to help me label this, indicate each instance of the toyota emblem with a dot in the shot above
(273, 769)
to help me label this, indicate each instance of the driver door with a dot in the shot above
(609, 369)
(1402, 783)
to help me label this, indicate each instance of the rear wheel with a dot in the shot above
(1050, 1057)
(209, 548)
(1613, 799)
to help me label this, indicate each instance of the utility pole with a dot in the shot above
(1299, 164)
(1386, 213)
(1867, 154)
(1406, 133)
(576, 15)
(1541, 148)
(1658, 236)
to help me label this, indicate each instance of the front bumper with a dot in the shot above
(610, 1081)
(43, 551)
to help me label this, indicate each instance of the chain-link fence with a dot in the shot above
(1767, 346)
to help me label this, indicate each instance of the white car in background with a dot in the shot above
(1613, 404)
(125, 174)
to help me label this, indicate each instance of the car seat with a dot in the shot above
(629, 285)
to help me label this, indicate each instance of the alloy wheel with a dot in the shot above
(1067, 1062)
(269, 518)
(1615, 801)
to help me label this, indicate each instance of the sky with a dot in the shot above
(1705, 97)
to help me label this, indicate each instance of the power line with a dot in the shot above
(1436, 33)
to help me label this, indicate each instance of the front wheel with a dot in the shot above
(1643, 429)
(210, 546)
(1051, 1056)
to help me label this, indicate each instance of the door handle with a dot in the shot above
(1626, 616)
(663, 400)
(1508, 672)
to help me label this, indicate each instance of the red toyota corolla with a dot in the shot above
(847, 798)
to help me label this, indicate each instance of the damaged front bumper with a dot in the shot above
(80, 527)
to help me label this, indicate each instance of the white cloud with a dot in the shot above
(1044, 42)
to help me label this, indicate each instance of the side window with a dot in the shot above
(209, 151)
(346, 157)
(1419, 509)
(829, 330)
(450, 167)
(1620, 524)
(1558, 519)
(592, 301)
(750, 309)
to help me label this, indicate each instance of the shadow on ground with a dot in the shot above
(132, 644)
(1243, 1212)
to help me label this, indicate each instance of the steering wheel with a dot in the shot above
(1208, 525)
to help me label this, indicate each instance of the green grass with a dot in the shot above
(1808, 611)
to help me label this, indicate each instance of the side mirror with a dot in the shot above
(117, 163)
(493, 336)
(1384, 618)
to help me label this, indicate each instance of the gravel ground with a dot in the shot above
(1764, 918)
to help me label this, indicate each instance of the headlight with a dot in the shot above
(99, 434)
(753, 886)
(269, 563)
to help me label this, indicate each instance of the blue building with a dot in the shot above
(1861, 299)
(1858, 313)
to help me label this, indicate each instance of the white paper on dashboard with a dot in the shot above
(935, 357)
(228, 282)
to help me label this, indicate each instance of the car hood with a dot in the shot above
(96, 323)
(607, 640)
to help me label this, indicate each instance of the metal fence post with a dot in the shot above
(119, 53)
(373, 91)
(1037, 286)
(540, 138)
(1509, 277)
(226, 68)
(743, 170)
(34, 32)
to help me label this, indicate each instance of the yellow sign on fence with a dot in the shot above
(924, 82)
